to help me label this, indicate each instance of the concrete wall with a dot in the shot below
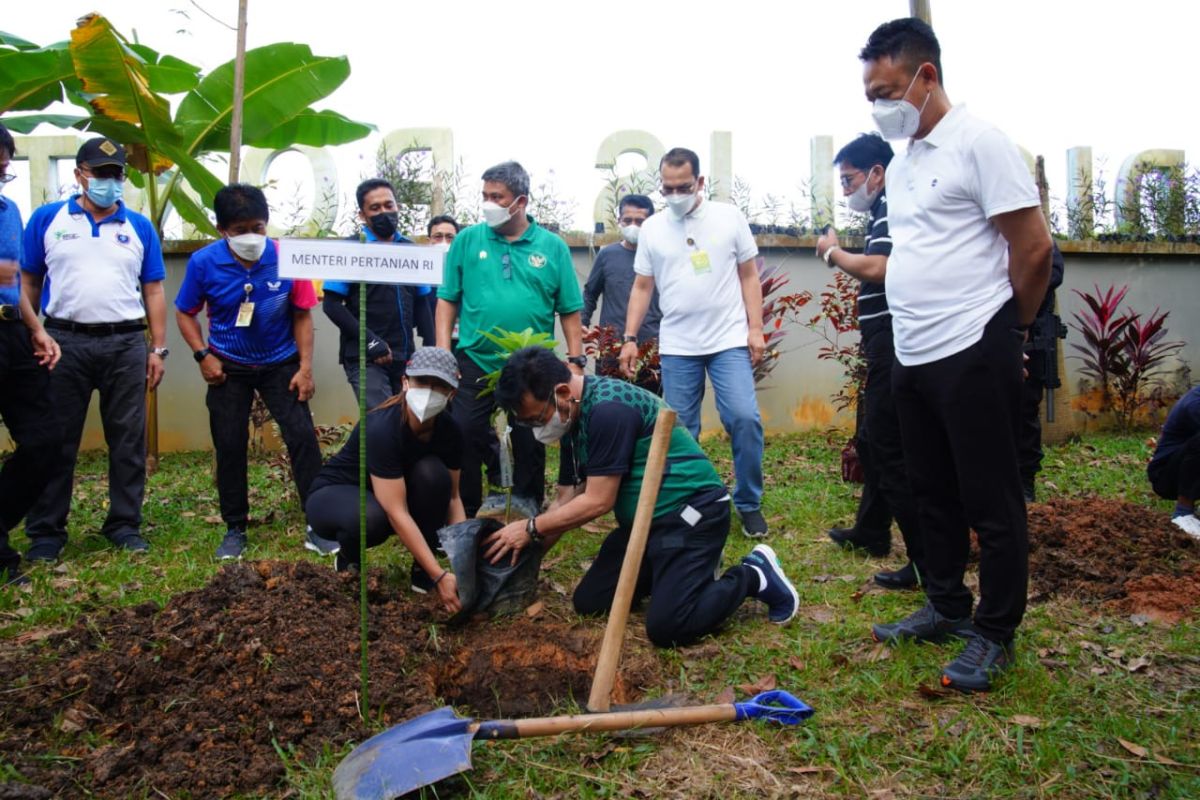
(797, 395)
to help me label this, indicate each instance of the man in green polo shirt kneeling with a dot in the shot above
(605, 426)
(505, 273)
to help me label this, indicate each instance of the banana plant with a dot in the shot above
(123, 87)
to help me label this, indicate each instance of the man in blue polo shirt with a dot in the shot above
(96, 269)
(27, 354)
(505, 273)
(260, 338)
(390, 307)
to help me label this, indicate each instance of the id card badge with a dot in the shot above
(700, 262)
(245, 315)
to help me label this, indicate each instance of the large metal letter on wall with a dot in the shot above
(257, 163)
(438, 142)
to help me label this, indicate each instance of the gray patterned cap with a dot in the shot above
(433, 362)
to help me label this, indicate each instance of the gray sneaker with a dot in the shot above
(319, 544)
(924, 625)
(130, 542)
(232, 545)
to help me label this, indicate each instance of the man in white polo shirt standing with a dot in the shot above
(96, 269)
(969, 266)
(701, 256)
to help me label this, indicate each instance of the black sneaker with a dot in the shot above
(851, 539)
(753, 524)
(420, 581)
(45, 548)
(342, 563)
(979, 662)
(319, 544)
(903, 578)
(925, 625)
(129, 541)
(779, 594)
(232, 546)
(10, 573)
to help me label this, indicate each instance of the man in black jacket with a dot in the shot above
(390, 308)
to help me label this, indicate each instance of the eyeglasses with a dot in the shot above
(104, 174)
(8, 177)
(442, 237)
(848, 180)
(507, 264)
(535, 421)
(667, 191)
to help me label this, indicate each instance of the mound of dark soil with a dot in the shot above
(1126, 556)
(200, 698)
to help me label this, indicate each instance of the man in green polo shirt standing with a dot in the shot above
(505, 273)
(605, 426)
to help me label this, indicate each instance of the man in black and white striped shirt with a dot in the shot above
(886, 492)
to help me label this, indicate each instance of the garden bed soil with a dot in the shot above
(1125, 557)
(205, 697)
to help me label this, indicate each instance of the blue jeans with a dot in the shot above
(733, 388)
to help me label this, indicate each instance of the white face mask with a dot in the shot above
(425, 402)
(555, 429)
(495, 214)
(898, 119)
(861, 200)
(443, 246)
(630, 233)
(681, 204)
(248, 246)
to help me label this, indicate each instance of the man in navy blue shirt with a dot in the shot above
(1174, 471)
(27, 354)
(390, 307)
(260, 339)
(96, 270)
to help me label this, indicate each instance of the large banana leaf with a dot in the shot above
(168, 74)
(192, 213)
(282, 80)
(27, 122)
(10, 40)
(30, 80)
(315, 129)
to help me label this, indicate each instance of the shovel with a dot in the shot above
(437, 745)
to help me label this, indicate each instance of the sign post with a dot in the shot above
(361, 262)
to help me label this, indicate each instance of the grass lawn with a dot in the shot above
(1099, 705)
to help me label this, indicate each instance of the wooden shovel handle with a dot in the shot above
(614, 634)
(612, 721)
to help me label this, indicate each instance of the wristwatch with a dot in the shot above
(201, 354)
(531, 529)
(629, 337)
(579, 361)
(829, 256)
(161, 352)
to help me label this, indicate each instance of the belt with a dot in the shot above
(95, 328)
(10, 313)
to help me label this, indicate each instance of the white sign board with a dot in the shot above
(369, 262)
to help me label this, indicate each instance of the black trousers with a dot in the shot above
(473, 415)
(886, 492)
(958, 418)
(1179, 475)
(1029, 436)
(229, 421)
(332, 510)
(686, 603)
(114, 366)
(383, 380)
(28, 413)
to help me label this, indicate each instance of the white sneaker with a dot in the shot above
(1189, 524)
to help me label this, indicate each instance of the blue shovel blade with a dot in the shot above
(406, 757)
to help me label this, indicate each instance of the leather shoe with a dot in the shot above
(851, 539)
(903, 578)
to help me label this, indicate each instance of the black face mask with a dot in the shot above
(384, 224)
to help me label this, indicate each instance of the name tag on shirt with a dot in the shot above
(245, 315)
(700, 263)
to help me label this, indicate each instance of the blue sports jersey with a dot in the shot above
(10, 248)
(217, 280)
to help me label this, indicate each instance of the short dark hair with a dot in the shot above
(907, 39)
(6, 142)
(637, 201)
(511, 174)
(531, 369)
(868, 150)
(240, 202)
(678, 156)
(438, 220)
(370, 185)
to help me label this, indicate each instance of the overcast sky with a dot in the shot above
(544, 82)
